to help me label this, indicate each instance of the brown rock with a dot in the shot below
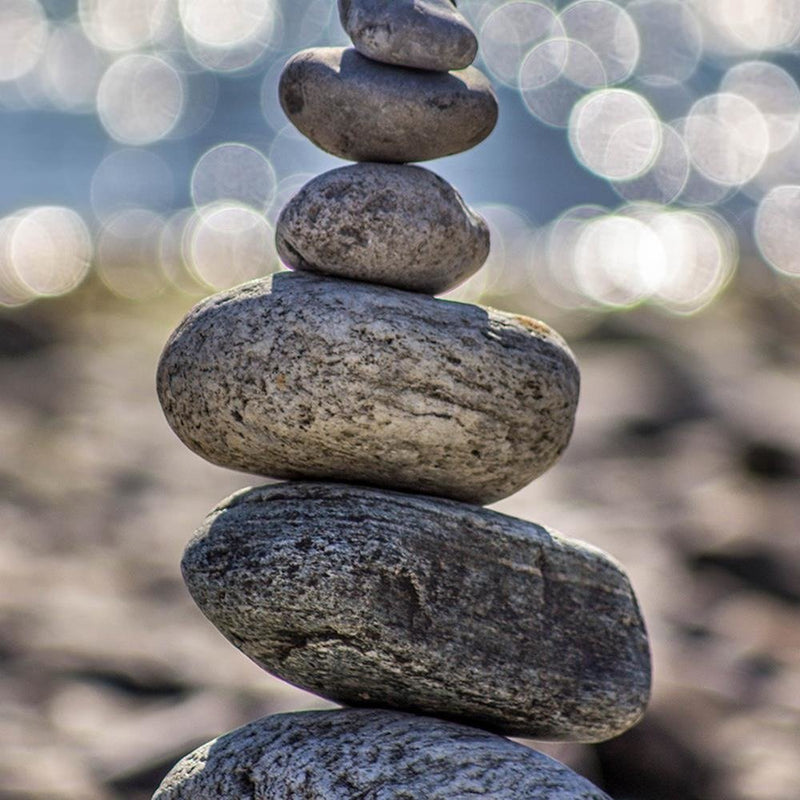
(300, 376)
(361, 110)
(391, 224)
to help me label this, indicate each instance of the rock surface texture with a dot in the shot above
(428, 34)
(362, 110)
(380, 755)
(298, 376)
(390, 224)
(352, 586)
(381, 598)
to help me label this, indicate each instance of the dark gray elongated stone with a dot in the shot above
(391, 224)
(301, 376)
(369, 754)
(361, 110)
(376, 598)
(427, 34)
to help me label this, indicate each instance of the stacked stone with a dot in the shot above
(373, 576)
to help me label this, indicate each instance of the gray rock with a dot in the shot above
(392, 224)
(300, 376)
(427, 34)
(374, 755)
(375, 598)
(361, 110)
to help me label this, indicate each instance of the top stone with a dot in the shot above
(426, 34)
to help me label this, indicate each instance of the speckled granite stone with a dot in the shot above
(377, 598)
(361, 110)
(300, 376)
(370, 755)
(427, 34)
(391, 224)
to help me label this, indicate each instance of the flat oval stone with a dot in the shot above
(391, 224)
(361, 110)
(380, 755)
(427, 34)
(302, 376)
(374, 598)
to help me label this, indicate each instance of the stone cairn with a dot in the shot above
(372, 575)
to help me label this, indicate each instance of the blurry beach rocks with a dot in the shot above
(110, 675)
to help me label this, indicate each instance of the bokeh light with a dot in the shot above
(230, 244)
(127, 254)
(233, 171)
(140, 99)
(13, 290)
(72, 69)
(727, 137)
(511, 31)
(23, 37)
(665, 177)
(773, 92)
(688, 111)
(555, 75)
(733, 27)
(608, 30)
(671, 41)
(120, 25)
(50, 250)
(619, 261)
(228, 24)
(777, 229)
(615, 133)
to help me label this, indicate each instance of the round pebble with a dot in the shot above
(427, 34)
(361, 110)
(375, 598)
(302, 376)
(391, 224)
(376, 755)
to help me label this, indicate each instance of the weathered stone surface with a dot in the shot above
(301, 376)
(375, 755)
(427, 34)
(361, 110)
(392, 224)
(376, 598)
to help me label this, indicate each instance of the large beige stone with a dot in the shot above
(391, 224)
(427, 34)
(362, 110)
(374, 755)
(376, 598)
(300, 376)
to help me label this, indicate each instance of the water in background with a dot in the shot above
(642, 146)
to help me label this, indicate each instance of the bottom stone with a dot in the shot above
(370, 755)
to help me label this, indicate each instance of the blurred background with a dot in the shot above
(643, 192)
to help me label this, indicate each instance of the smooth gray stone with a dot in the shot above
(426, 34)
(361, 110)
(391, 224)
(375, 598)
(371, 755)
(301, 376)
